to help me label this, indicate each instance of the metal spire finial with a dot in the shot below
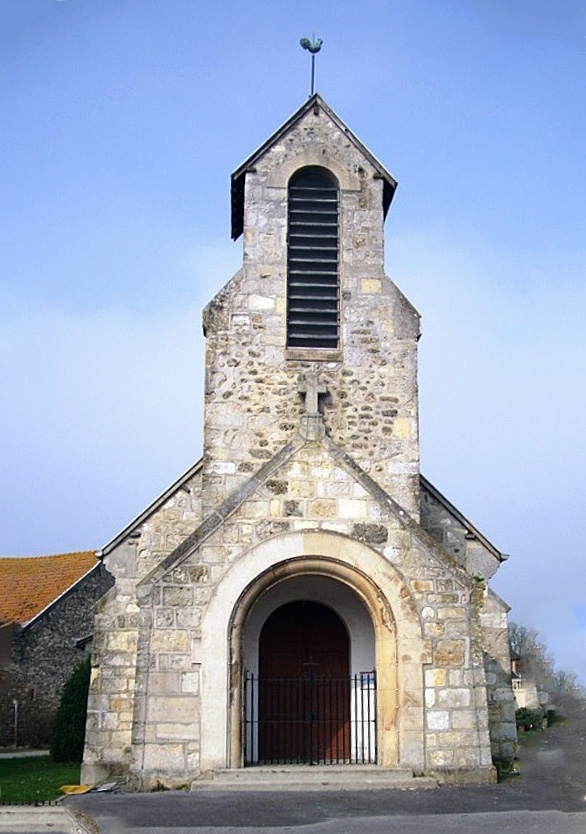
(314, 47)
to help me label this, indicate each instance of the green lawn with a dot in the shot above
(34, 778)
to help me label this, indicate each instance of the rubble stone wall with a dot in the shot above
(252, 399)
(45, 653)
(497, 662)
(455, 538)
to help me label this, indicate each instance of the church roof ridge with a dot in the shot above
(427, 485)
(152, 507)
(314, 101)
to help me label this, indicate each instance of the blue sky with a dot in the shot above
(122, 121)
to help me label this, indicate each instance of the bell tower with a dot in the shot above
(311, 295)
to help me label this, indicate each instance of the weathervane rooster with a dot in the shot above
(313, 46)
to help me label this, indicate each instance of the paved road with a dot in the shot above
(516, 822)
(548, 798)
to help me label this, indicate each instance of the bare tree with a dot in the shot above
(537, 662)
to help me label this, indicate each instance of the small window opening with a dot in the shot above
(312, 260)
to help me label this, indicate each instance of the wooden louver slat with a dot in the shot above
(312, 261)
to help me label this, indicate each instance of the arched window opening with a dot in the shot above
(312, 260)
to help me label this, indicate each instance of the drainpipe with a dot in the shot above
(15, 703)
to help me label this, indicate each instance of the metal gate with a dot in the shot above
(310, 720)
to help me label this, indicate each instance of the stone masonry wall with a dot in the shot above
(164, 530)
(456, 538)
(497, 662)
(312, 491)
(111, 701)
(252, 400)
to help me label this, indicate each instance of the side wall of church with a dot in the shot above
(497, 662)
(115, 649)
(455, 538)
(170, 525)
(252, 400)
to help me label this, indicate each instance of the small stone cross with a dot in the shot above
(311, 385)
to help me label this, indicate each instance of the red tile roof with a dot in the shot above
(30, 584)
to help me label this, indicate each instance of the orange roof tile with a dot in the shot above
(29, 584)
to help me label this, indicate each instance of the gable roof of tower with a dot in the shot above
(315, 101)
(31, 584)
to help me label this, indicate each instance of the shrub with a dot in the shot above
(69, 728)
(529, 720)
(36, 722)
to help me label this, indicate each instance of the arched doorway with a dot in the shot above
(382, 622)
(304, 686)
(309, 675)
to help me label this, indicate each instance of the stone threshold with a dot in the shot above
(313, 778)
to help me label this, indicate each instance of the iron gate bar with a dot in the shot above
(310, 719)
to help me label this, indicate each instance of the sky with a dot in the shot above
(122, 121)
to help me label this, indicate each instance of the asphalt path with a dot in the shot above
(519, 822)
(548, 798)
(347, 813)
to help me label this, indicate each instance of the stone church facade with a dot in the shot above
(302, 595)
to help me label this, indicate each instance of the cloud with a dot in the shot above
(102, 408)
(502, 364)
(101, 411)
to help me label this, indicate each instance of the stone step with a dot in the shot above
(313, 778)
(21, 819)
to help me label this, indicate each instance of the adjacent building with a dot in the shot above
(46, 623)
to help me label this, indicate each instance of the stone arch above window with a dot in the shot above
(313, 272)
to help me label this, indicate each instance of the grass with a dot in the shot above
(35, 779)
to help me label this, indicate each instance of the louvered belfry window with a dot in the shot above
(312, 260)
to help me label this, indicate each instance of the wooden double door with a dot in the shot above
(304, 686)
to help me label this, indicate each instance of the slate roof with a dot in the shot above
(28, 585)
